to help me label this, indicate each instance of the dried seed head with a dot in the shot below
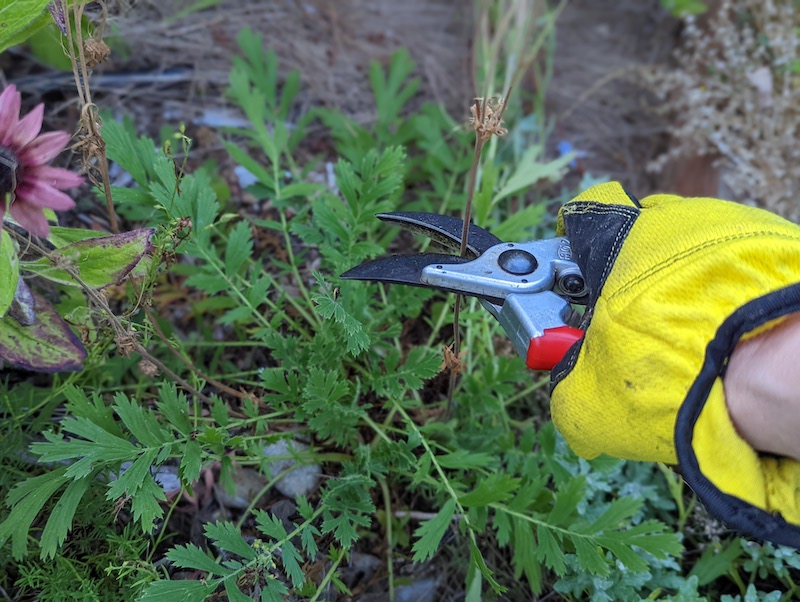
(96, 51)
(148, 368)
(487, 118)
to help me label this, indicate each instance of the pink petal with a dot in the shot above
(43, 148)
(54, 176)
(10, 101)
(28, 127)
(31, 218)
(39, 194)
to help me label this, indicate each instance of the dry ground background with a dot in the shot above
(174, 69)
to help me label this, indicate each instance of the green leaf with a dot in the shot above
(20, 19)
(525, 560)
(61, 236)
(100, 447)
(618, 511)
(145, 504)
(26, 500)
(141, 423)
(228, 537)
(177, 591)
(347, 503)
(420, 365)
(566, 501)
(589, 556)
(9, 272)
(463, 459)
(356, 339)
(714, 562)
(529, 171)
(238, 249)
(97, 262)
(549, 550)
(175, 408)
(331, 409)
(273, 526)
(47, 345)
(430, 532)
(59, 522)
(190, 556)
(191, 463)
(497, 487)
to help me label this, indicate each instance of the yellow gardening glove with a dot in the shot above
(674, 284)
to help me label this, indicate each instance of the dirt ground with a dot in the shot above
(169, 71)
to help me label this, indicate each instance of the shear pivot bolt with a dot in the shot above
(572, 284)
(517, 262)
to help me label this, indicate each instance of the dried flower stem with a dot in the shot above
(94, 148)
(487, 119)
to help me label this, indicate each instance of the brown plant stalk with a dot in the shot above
(487, 121)
(93, 148)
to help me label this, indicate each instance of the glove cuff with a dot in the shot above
(750, 492)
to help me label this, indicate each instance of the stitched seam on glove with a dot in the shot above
(592, 207)
(687, 252)
(579, 208)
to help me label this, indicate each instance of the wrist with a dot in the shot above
(762, 389)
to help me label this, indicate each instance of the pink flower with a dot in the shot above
(24, 174)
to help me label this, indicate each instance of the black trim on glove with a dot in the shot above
(596, 233)
(731, 510)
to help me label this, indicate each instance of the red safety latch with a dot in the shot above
(546, 351)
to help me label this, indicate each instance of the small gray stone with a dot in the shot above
(301, 480)
(248, 484)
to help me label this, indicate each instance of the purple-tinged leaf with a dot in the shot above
(48, 345)
(99, 262)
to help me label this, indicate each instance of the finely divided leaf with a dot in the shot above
(420, 365)
(549, 550)
(238, 249)
(356, 339)
(140, 422)
(525, 560)
(177, 591)
(27, 499)
(497, 487)
(60, 520)
(228, 537)
(190, 556)
(589, 556)
(430, 532)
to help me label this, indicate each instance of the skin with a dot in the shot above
(762, 389)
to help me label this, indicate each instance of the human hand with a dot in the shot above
(674, 285)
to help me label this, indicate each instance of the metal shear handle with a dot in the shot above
(527, 286)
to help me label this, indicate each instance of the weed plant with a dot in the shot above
(268, 344)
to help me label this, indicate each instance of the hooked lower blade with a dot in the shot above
(400, 269)
(443, 229)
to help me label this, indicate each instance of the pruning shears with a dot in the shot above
(527, 286)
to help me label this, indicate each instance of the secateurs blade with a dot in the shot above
(527, 286)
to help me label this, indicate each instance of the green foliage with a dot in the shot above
(20, 19)
(685, 8)
(349, 368)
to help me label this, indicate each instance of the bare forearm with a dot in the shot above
(762, 389)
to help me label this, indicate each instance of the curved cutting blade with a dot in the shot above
(400, 269)
(443, 229)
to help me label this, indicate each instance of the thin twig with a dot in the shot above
(487, 122)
